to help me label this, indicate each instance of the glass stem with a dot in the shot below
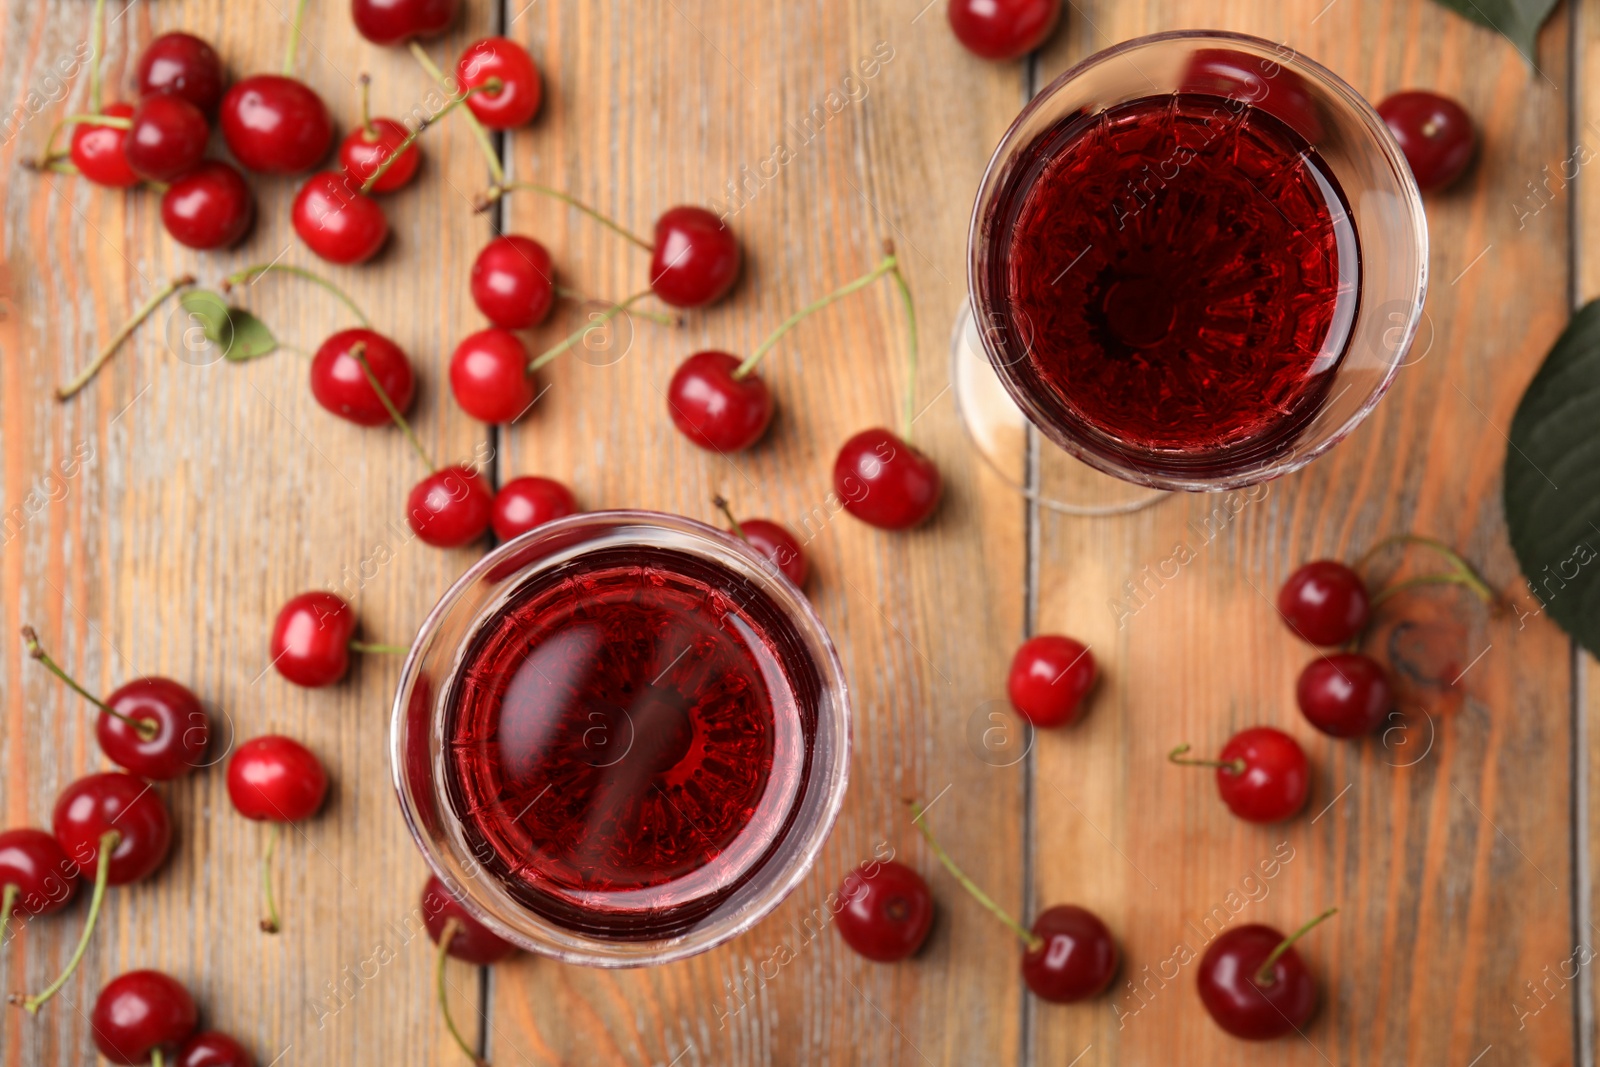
(102, 878)
(88, 373)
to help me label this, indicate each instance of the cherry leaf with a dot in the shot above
(239, 334)
(1516, 20)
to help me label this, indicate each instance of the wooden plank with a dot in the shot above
(1447, 853)
(1566, 985)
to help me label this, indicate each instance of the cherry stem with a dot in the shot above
(269, 925)
(493, 85)
(143, 727)
(294, 39)
(662, 317)
(390, 650)
(1264, 975)
(884, 267)
(1462, 572)
(451, 928)
(577, 335)
(495, 192)
(721, 504)
(1233, 766)
(102, 878)
(358, 351)
(54, 166)
(904, 289)
(1448, 578)
(97, 32)
(364, 84)
(1029, 938)
(496, 172)
(248, 275)
(87, 374)
(157, 1059)
(7, 902)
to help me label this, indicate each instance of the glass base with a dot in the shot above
(1010, 445)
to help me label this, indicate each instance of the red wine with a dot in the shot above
(1176, 279)
(627, 738)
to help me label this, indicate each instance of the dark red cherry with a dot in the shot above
(182, 729)
(210, 207)
(167, 139)
(1434, 132)
(1325, 602)
(365, 148)
(489, 376)
(181, 64)
(472, 942)
(513, 282)
(885, 482)
(276, 779)
(778, 545)
(1234, 995)
(523, 503)
(1344, 695)
(1050, 676)
(714, 409)
(1003, 29)
(1247, 79)
(275, 124)
(141, 1013)
(517, 99)
(337, 221)
(342, 387)
(1078, 957)
(887, 912)
(450, 507)
(1262, 774)
(211, 1048)
(97, 803)
(311, 639)
(395, 21)
(97, 151)
(36, 872)
(695, 259)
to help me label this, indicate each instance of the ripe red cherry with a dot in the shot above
(167, 139)
(1434, 132)
(276, 779)
(210, 1048)
(1344, 695)
(1244, 78)
(141, 1013)
(342, 387)
(472, 942)
(210, 207)
(695, 259)
(36, 876)
(1050, 675)
(513, 282)
(714, 409)
(275, 124)
(450, 507)
(311, 639)
(888, 910)
(393, 21)
(1077, 956)
(1325, 602)
(365, 148)
(885, 482)
(182, 729)
(337, 221)
(523, 503)
(97, 151)
(778, 545)
(181, 64)
(517, 99)
(1003, 29)
(1250, 997)
(1262, 774)
(489, 376)
(98, 803)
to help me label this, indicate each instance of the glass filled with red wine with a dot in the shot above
(1196, 262)
(622, 738)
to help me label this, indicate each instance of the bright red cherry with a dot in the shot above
(276, 779)
(513, 282)
(141, 1014)
(1074, 956)
(695, 259)
(888, 910)
(1434, 132)
(36, 877)
(210, 207)
(1344, 695)
(489, 376)
(97, 151)
(167, 139)
(471, 941)
(366, 148)
(517, 99)
(1262, 774)
(275, 124)
(715, 409)
(183, 65)
(311, 639)
(1050, 676)
(885, 482)
(211, 1048)
(523, 503)
(1244, 78)
(450, 507)
(1254, 983)
(1003, 29)
(774, 542)
(337, 221)
(342, 387)
(394, 21)
(99, 803)
(1325, 602)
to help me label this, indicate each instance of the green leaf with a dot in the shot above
(251, 338)
(1552, 480)
(1517, 20)
(240, 335)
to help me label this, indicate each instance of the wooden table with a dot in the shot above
(1457, 845)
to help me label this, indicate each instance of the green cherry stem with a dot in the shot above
(495, 192)
(662, 317)
(364, 94)
(359, 352)
(885, 266)
(493, 85)
(577, 335)
(269, 925)
(1029, 938)
(97, 33)
(451, 928)
(497, 173)
(1263, 975)
(87, 374)
(157, 1059)
(294, 39)
(1469, 577)
(143, 727)
(1234, 766)
(721, 504)
(390, 650)
(249, 274)
(904, 289)
(7, 902)
(1447, 578)
(102, 878)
